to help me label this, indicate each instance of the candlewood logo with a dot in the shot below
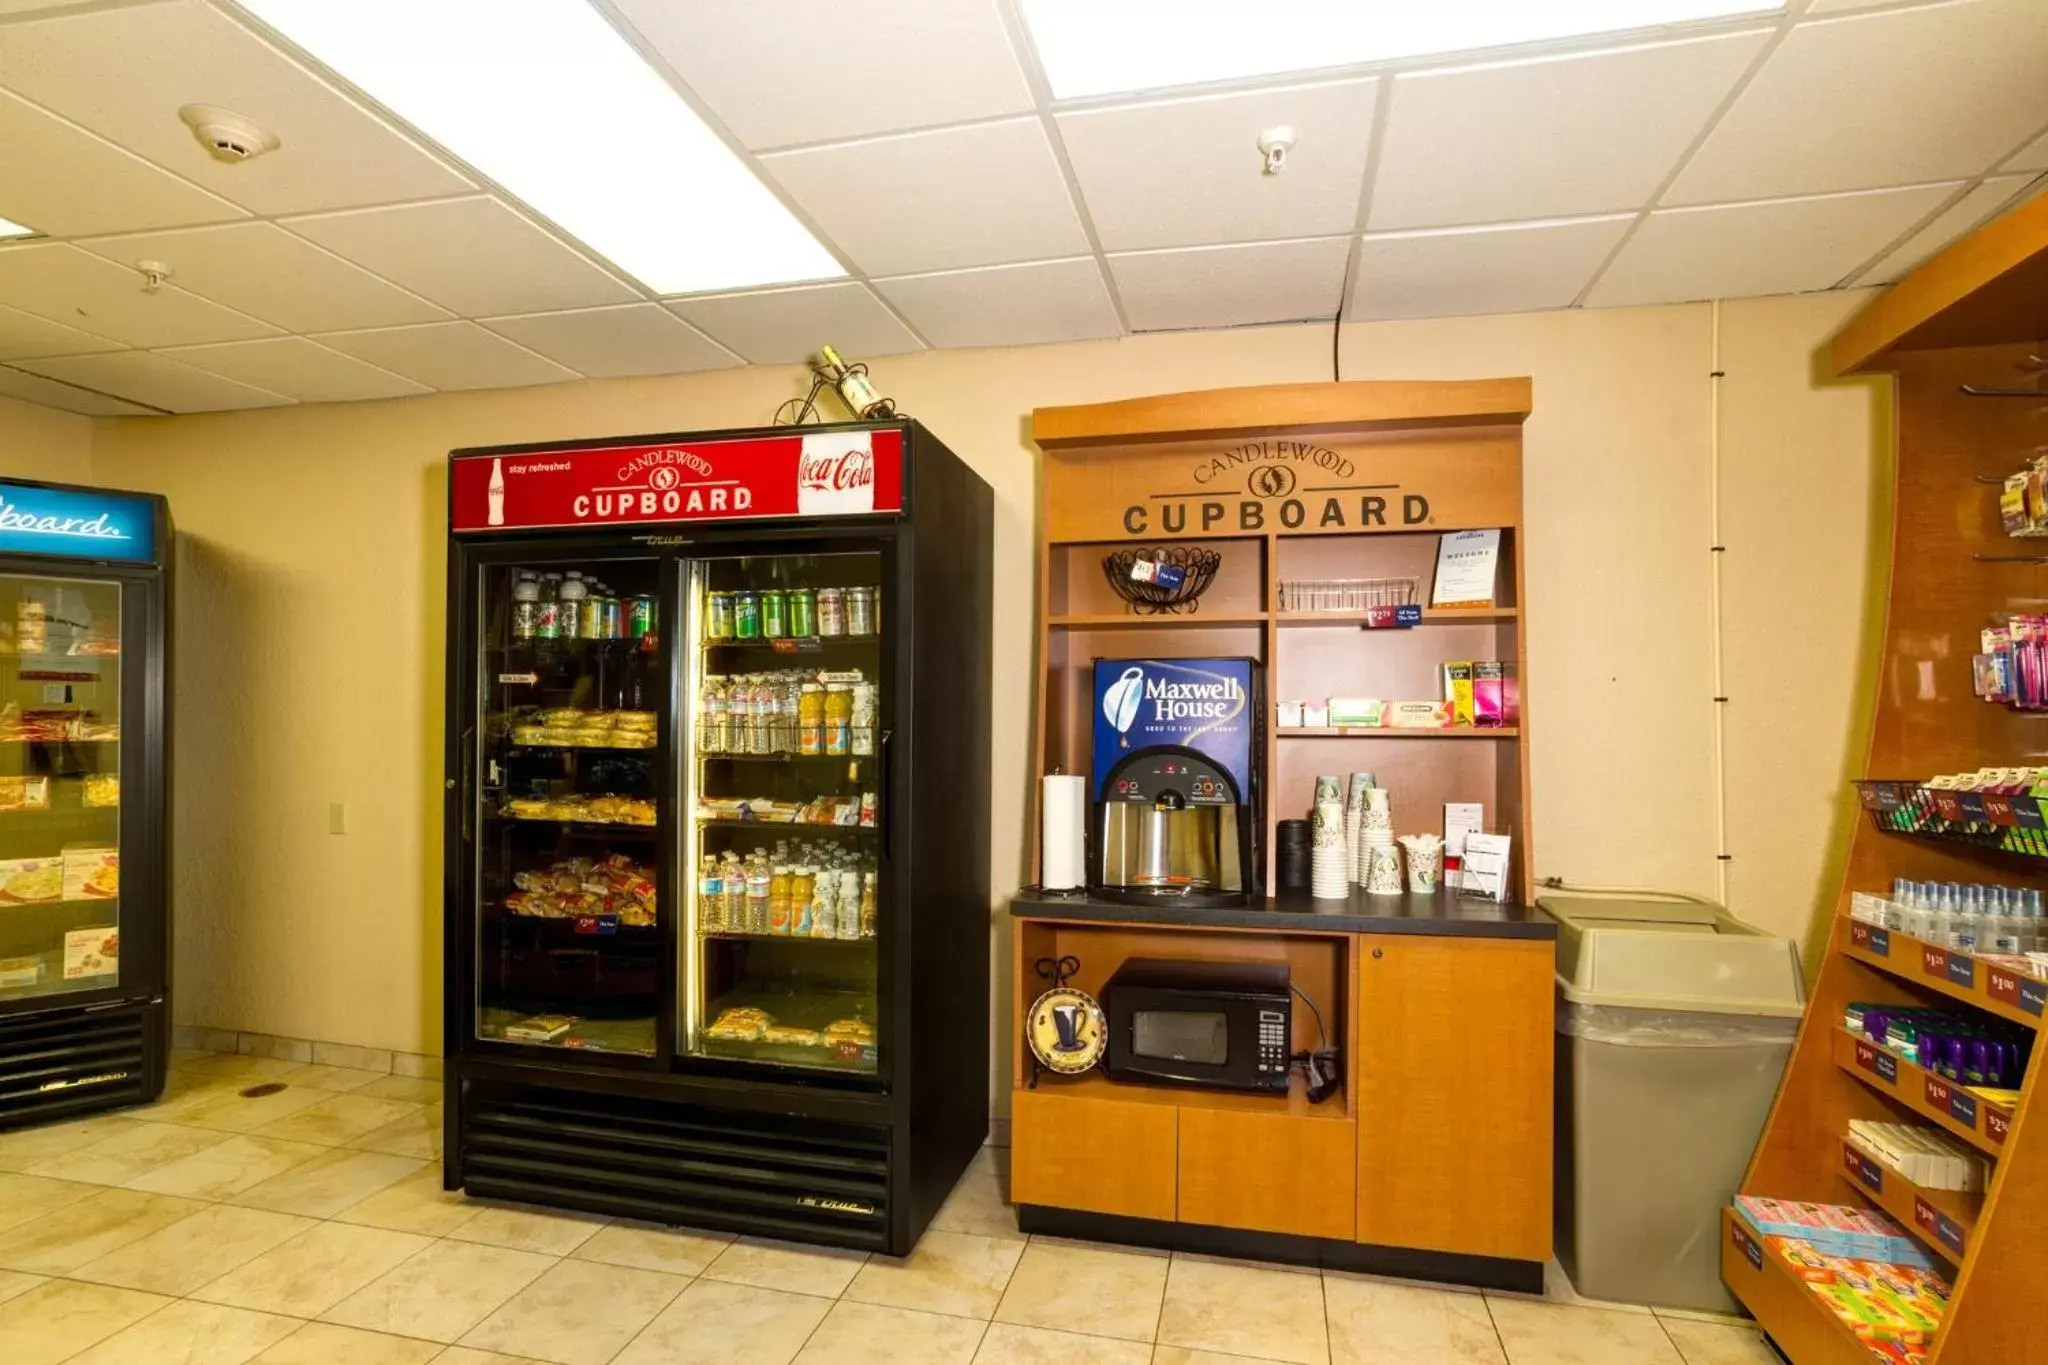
(659, 483)
(1285, 484)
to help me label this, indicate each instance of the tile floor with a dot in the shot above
(308, 1227)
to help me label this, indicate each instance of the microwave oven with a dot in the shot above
(1223, 1025)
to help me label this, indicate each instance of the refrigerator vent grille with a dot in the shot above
(665, 1162)
(53, 1065)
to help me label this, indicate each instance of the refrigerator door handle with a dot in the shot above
(468, 793)
(885, 767)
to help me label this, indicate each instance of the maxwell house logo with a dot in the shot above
(1294, 483)
(1204, 702)
(835, 473)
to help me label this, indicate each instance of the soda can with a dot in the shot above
(774, 614)
(590, 618)
(746, 615)
(831, 611)
(718, 616)
(803, 612)
(640, 615)
(614, 619)
(860, 611)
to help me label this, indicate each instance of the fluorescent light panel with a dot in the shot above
(547, 99)
(8, 229)
(1103, 47)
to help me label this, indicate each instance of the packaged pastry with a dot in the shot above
(565, 717)
(102, 789)
(740, 1025)
(92, 873)
(91, 952)
(24, 881)
(634, 720)
(24, 793)
(787, 1035)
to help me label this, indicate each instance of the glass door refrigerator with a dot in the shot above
(717, 832)
(84, 919)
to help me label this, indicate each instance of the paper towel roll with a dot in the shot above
(1063, 822)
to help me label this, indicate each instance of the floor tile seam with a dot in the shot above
(624, 1346)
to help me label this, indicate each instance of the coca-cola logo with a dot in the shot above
(836, 473)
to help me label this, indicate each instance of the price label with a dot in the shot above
(797, 644)
(1962, 1107)
(1948, 806)
(1933, 961)
(1938, 1092)
(1871, 939)
(1972, 805)
(1877, 1062)
(597, 924)
(1863, 1168)
(2027, 810)
(1938, 1226)
(1998, 809)
(2021, 992)
(1962, 970)
(526, 679)
(1997, 1124)
(1747, 1245)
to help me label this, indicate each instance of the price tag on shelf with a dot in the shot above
(1962, 1107)
(797, 644)
(1863, 1168)
(1871, 939)
(1933, 961)
(1997, 1124)
(1938, 1225)
(1948, 805)
(1972, 806)
(1393, 618)
(2021, 992)
(597, 924)
(1962, 970)
(1998, 809)
(2026, 811)
(1747, 1245)
(1877, 1062)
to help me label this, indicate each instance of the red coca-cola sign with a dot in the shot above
(803, 474)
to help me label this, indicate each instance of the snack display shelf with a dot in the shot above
(1783, 1306)
(647, 749)
(793, 644)
(1985, 1126)
(2007, 822)
(784, 826)
(1399, 732)
(813, 1010)
(1942, 1219)
(740, 937)
(805, 759)
(631, 1036)
(1960, 976)
(584, 829)
(581, 926)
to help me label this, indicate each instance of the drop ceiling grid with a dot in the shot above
(990, 32)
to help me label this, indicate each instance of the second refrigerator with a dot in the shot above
(718, 928)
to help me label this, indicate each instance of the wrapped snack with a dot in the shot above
(24, 793)
(787, 1035)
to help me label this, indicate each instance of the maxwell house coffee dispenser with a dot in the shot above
(1174, 801)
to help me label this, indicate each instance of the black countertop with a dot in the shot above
(1443, 913)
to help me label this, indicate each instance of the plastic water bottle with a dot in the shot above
(1898, 907)
(2035, 932)
(1920, 913)
(1969, 917)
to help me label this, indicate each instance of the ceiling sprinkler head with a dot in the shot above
(1274, 144)
(227, 135)
(154, 273)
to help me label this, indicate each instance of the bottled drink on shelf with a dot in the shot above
(548, 623)
(759, 879)
(526, 606)
(778, 900)
(869, 905)
(734, 885)
(715, 715)
(711, 895)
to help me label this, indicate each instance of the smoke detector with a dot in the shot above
(227, 135)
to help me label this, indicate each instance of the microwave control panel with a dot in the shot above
(1273, 1044)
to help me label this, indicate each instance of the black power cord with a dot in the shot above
(1319, 1065)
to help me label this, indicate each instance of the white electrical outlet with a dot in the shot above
(337, 818)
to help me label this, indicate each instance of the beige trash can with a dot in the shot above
(1674, 1022)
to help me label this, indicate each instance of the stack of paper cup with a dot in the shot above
(1326, 852)
(1379, 861)
(1354, 824)
(1425, 862)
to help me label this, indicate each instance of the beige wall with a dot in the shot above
(43, 443)
(310, 616)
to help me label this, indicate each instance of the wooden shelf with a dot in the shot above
(1943, 1219)
(1792, 1314)
(1392, 732)
(1976, 1121)
(1120, 621)
(1096, 1086)
(1960, 976)
(1431, 616)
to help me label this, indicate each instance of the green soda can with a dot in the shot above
(803, 612)
(746, 616)
(774, 614)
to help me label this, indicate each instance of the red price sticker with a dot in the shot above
(1997, 1124)
(1933, 961)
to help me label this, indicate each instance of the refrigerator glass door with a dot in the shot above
(781, 848)
(60, 786)
(568, 931)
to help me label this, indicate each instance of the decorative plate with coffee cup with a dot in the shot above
(1066, 1030)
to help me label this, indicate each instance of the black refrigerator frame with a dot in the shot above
(756, 1148)
(66, 1055)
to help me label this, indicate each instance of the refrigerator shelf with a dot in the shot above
(779, 826)
(738, 936)
(793, 644)
(647, 750)
(709, 756)
(584, 828)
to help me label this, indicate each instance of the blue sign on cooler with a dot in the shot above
(76, 522)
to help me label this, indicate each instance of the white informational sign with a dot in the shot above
(1485, 872)
(1467, 564)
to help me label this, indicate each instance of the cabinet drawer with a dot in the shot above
(1098, 1155)
(1269, 1172)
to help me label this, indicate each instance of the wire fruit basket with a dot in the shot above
(1197, 568)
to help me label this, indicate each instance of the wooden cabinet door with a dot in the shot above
(1268, 1172)
(1453, 1042)
(1105, 1156)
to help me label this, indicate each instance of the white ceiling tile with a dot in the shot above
(268, 273)
(932, 201)
(449, 355)
(1231, 286)
(2032, 157)
(25, 334)
(151, 379)
(25, 6)
(775, 72)
(633, 338)
(1844, 6)
(786, 326)
(1886, 98)
(33, 388)
(124, 73)
(1549, 138)
(1966, 213)
(1455, 272)
(297, 368)
(57, 281)
(1783, 246)
(61, 180)
(475, 256)
(1189, 172)
(1016, 305)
